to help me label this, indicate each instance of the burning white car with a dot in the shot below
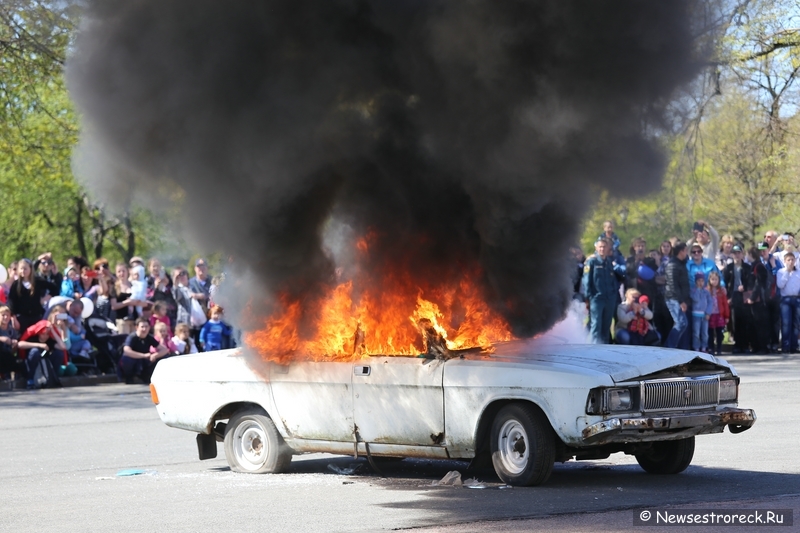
(527, 405)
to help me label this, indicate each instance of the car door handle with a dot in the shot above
(361, 370)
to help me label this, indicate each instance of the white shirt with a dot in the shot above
(789, 282)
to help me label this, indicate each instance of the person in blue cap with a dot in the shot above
(601, 288)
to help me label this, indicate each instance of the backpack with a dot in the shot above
(44, 375)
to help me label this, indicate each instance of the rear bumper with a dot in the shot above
(668, 427)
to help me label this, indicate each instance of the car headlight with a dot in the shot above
(618, 400)
(728, 390)
(604, 400)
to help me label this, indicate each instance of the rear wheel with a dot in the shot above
(253, 444)
(667, 457)
(522, 445)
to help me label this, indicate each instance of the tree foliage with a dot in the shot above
(734, 163)
(43, 208)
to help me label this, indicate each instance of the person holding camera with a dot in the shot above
(705, 236)
(47, 269)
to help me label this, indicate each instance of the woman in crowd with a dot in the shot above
(124, 307)
(9, 336)
(90, 284)
(159, 289)
(725, 254)
(29, 294)
(107, 294)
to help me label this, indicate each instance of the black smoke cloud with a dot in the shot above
(464, 132)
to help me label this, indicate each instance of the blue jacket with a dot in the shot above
(706, 267)
(702, 302)
(216, 336)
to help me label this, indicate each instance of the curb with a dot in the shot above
(19, 384)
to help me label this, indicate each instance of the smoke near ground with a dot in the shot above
(458, 133)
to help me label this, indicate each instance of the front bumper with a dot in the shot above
(668, 426)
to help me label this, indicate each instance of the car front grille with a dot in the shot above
(680, 393)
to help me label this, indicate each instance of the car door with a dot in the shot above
(314, 399)
(399, 400)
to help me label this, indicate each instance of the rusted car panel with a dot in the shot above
(313, 400)
(399, 400)
(387, 450)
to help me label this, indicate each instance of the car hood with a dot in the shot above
(621, 363)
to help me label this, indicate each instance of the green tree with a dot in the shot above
(734, 162)
(44, 208)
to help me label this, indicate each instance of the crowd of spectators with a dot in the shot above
(69, 316)
(687, 294)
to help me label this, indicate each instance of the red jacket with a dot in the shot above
(722, 304)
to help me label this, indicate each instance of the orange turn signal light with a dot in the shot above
(153, 394)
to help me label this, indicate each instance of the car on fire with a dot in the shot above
(525, 406)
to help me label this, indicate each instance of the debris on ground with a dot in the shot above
(452, 479)
(348, 471)
(134, 472)
(473, 483)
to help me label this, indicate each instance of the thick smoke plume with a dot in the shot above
(459, 134)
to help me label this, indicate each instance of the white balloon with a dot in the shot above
(88, 307)
(58, 300)
(3, 274)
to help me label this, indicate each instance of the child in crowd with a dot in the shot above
(78, 345)
(720, 313)
(215, 335)
(9, 338)
(702, 307)
(60, 319)
(161, 334)
(70, 285)
(184, 344)
(160, 316)
(138, 286)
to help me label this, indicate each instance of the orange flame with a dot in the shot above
(386, 309)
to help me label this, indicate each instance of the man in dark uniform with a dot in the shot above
(738, 277)
(601, 289)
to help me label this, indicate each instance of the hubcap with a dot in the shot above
(250, 445)
(513, 448)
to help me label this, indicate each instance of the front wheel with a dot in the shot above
(253, 444)
(522, 445)
(667, 457)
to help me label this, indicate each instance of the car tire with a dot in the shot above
(522, 445)
(253, 444)
(667, 457)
